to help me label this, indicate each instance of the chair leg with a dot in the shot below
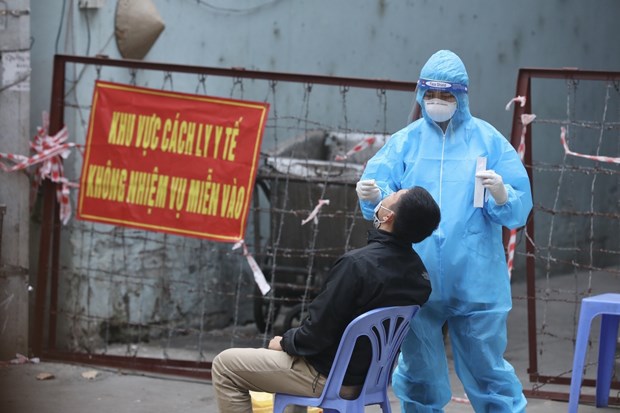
(385, 406)
(581, 347)
(606, 357)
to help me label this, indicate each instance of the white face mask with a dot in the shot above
(440, 110)
(376, 222)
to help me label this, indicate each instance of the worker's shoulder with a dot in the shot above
(404, 137)
(413, 126)
(485, 126)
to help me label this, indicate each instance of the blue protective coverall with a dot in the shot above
(465, 256)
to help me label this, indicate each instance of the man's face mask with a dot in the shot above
(376, 221)
(439, 110)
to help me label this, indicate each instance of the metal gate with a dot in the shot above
(156, 302)
(571, 246)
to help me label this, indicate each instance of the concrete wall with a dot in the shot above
(368, 38)
(14, 187)
(356, 38)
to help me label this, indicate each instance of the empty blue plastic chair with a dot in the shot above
(608, 306)
(386, 328)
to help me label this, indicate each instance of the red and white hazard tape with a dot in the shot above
(526, 119)
(363, 144)
(606, 159)
(49, 151)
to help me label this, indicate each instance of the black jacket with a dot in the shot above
(386, 272)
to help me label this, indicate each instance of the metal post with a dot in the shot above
(50, 211)
(2, 212)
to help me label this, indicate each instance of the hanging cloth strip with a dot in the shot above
(259, 277)
(315, 211)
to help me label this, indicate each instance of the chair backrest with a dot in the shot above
(386, 328)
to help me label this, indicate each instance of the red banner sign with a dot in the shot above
(172, 162)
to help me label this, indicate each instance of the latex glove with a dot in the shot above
(494, 183)
(367, 190)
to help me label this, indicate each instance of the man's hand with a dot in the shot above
(274, 343)
(494, 183)
(367, 190)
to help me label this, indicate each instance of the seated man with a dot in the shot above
(387, 272)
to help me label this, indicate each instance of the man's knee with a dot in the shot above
(216, 370)
(219, 366)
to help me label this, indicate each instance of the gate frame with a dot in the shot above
(524, 89)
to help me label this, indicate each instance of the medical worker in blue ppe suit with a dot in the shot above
(464, 256)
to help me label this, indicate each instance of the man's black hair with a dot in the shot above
(417, 215)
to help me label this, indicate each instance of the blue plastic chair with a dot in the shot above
(386, 328)
(608, 306)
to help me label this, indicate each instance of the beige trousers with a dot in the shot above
(237, 370)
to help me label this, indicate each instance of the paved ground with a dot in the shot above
(112, 391)
(125, 392)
